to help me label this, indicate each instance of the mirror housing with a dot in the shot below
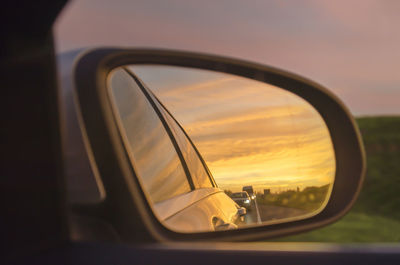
(125, 208)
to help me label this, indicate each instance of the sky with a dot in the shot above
(248, 132)
(350, 47)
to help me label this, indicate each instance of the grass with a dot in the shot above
(381, 191)
(375, 216)
(354, 227)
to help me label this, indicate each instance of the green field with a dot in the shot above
(308, 199)
(376, 215)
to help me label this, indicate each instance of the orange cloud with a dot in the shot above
(248, 132)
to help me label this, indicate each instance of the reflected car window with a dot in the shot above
(198, 173)
(152, 153)
(239, 195)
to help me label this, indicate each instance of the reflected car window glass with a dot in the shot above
(239, 195)
(198, 173)
(152, 153)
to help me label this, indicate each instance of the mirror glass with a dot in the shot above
(215, 151)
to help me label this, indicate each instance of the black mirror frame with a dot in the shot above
(125, 207)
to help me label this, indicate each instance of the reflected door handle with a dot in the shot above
(242, 211)
(220, 225)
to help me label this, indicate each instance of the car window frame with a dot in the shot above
(164, 127)
(153, 97)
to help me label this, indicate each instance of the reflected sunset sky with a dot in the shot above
(248, 132)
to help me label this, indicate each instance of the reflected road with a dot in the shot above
(261, 213)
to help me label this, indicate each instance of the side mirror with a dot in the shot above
(180, 139)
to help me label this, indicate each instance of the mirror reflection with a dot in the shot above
(215, 151)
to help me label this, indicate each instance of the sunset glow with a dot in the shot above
(248, 132)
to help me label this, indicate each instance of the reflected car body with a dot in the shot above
(200, 210)
(200, 207)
